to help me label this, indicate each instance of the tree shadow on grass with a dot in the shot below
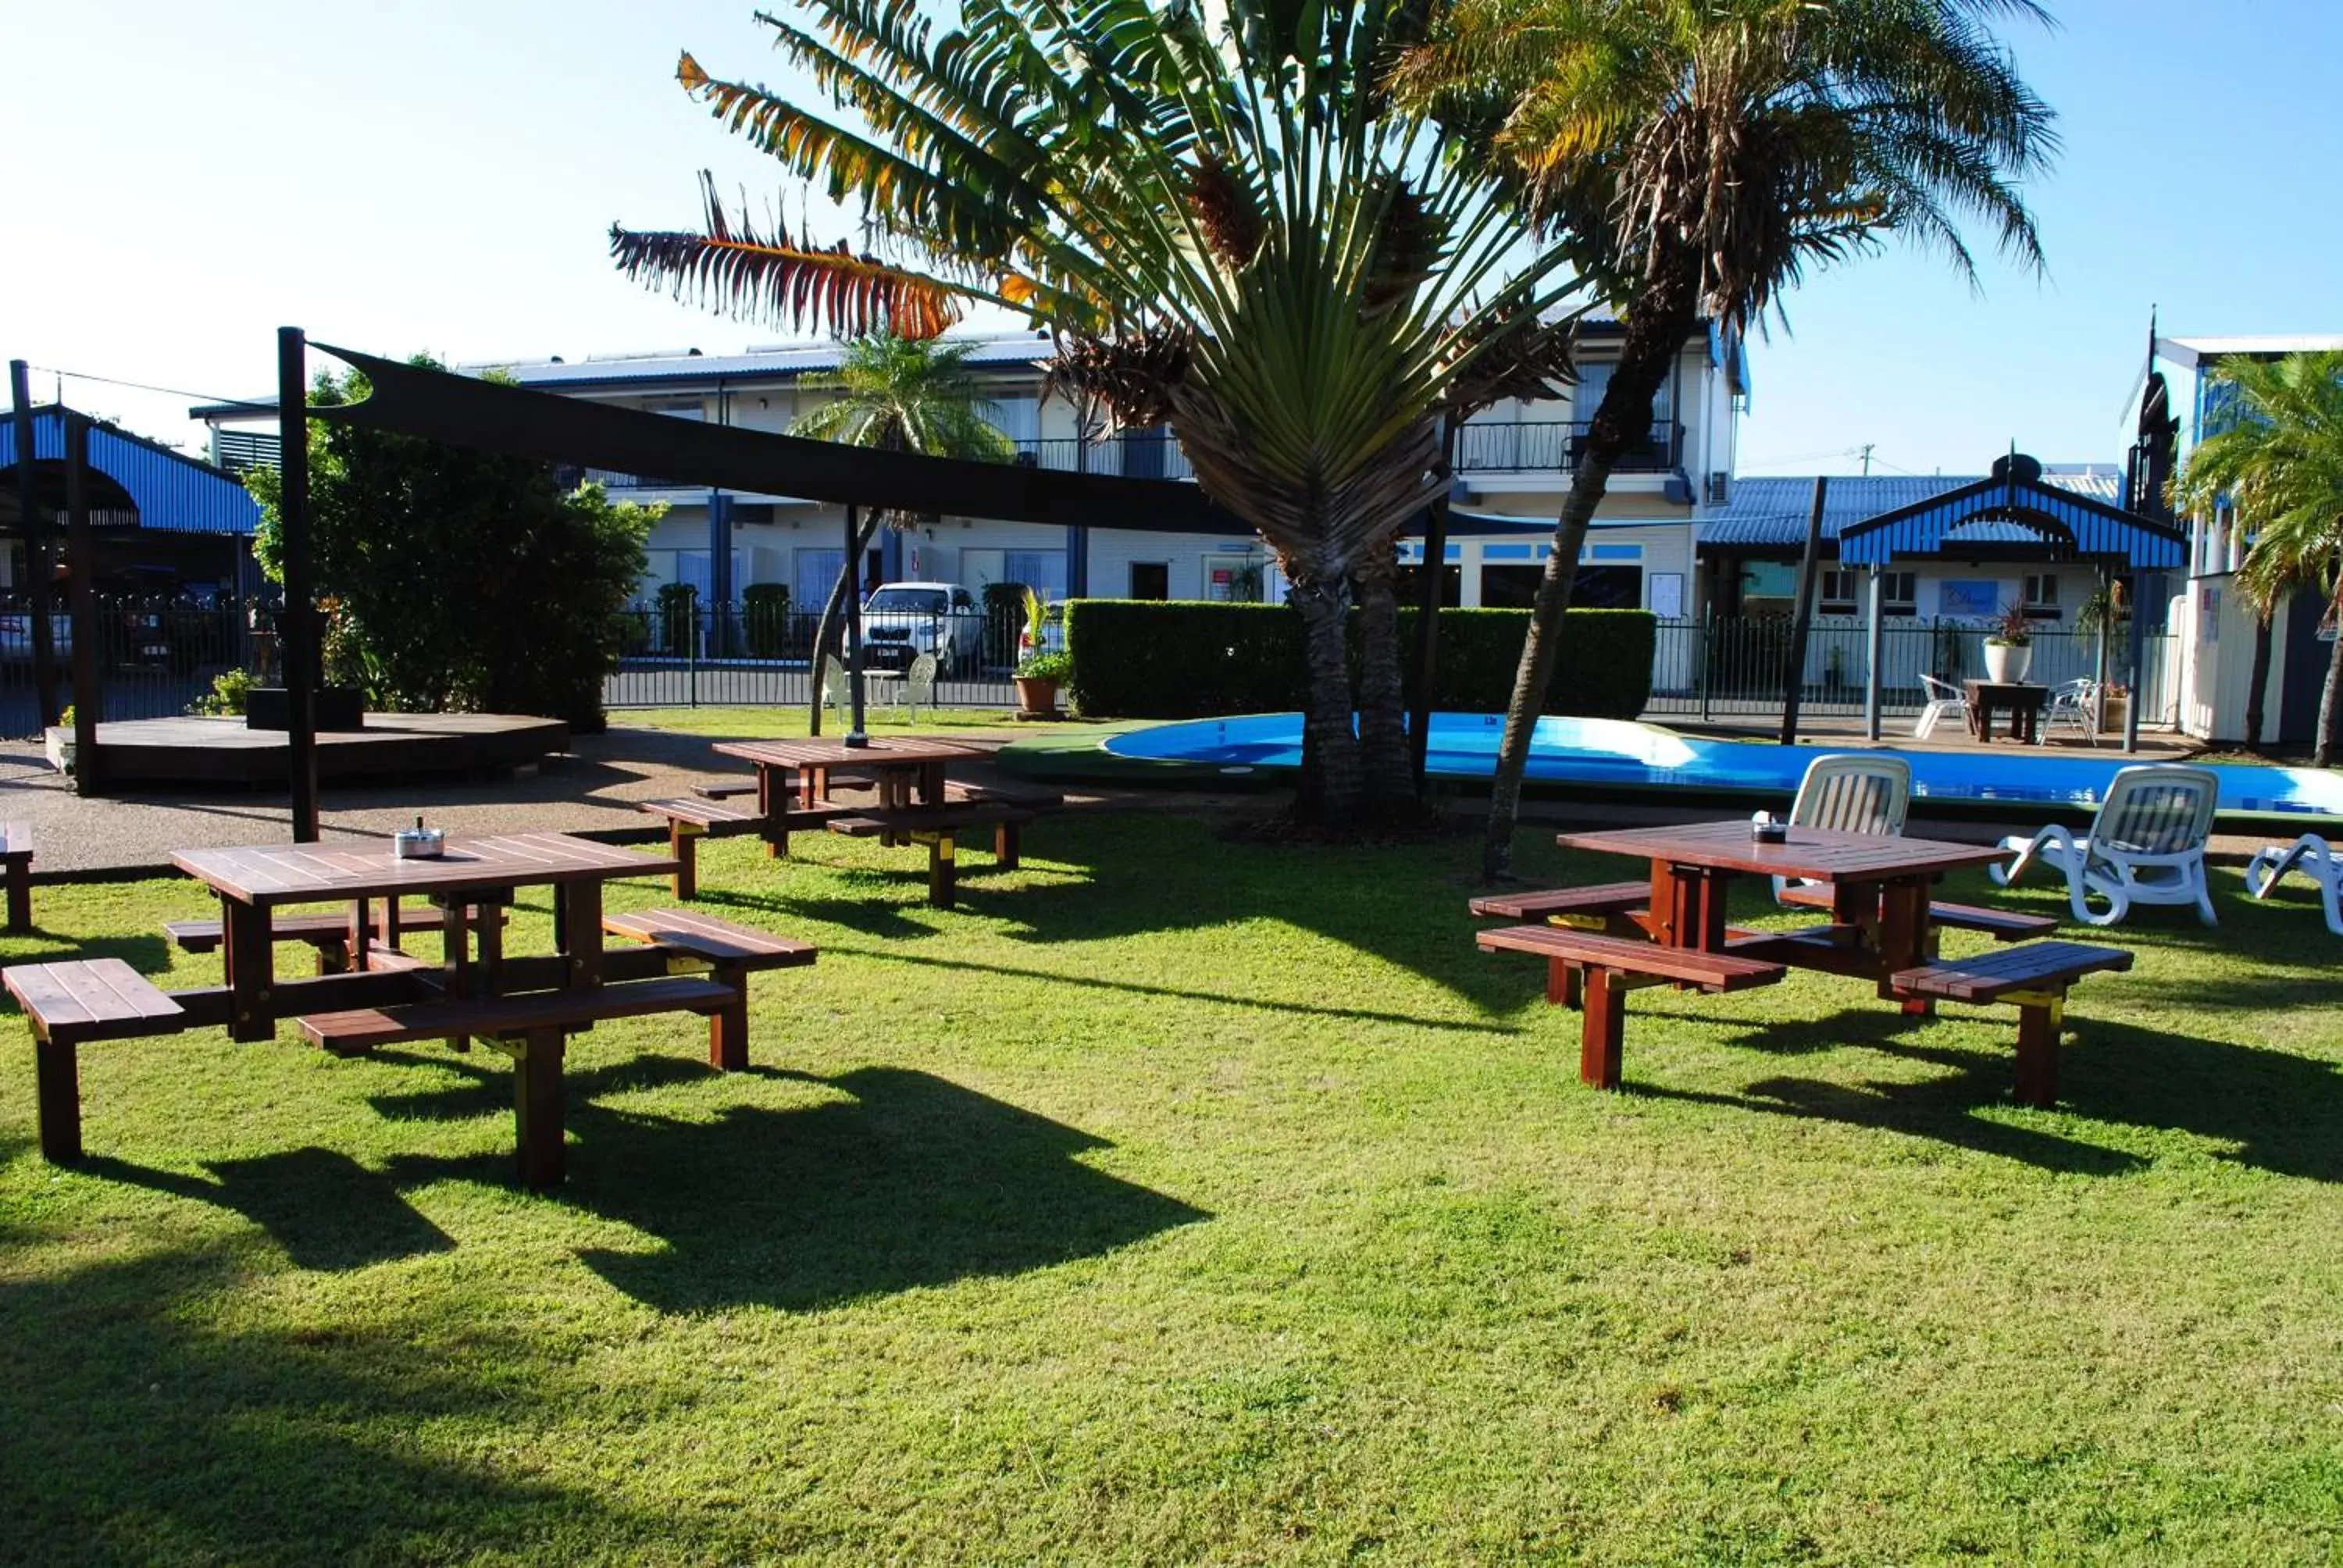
(2272, 1109)
(142, 1424)
(906, 1180)
(326, 1210)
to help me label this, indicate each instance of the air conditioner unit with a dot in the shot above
(1719, 488)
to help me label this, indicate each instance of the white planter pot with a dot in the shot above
(2007, 662)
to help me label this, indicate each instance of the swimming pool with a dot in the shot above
(1647, 756)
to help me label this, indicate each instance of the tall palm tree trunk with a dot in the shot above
(2330, 696)
(848, 576)
(1657, 329)
(1382, 703)
(2255, 709)
(1334, 782)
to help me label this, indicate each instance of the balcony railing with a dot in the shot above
(1549, 447)
(1553, 447)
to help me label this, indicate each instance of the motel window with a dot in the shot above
(1151, 579)
(2042, 595)
(1844, 592)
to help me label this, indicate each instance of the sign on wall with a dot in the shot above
(1973, 597)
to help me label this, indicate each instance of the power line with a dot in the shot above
(145, 387)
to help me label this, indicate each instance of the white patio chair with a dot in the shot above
(1853, 792)
(919, 687)
(837, 686)
(2076, 705)
(1945, 701)
(2146, 846)
(2314, 857)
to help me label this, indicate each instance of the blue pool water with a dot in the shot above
(1646, 756)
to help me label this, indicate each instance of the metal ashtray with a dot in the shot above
(1766, 828)
(420, 843)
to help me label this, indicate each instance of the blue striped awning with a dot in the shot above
(167, 490)
(2012, 505)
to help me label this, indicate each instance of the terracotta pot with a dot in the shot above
(1037, 694)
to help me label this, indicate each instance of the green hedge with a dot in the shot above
(1135, 658)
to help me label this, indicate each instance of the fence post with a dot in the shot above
(1874, 642)
(1700, 648)
(691, 654)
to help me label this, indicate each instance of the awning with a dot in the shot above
(2012, 505)
(134, 483)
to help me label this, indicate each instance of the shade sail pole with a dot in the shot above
(82, 552)
(39, 585)
(854, 733)
(1875, 638)
(297, 631)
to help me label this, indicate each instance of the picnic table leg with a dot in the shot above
(1603, 1032)
(1688, 903)
(2039, 1017)
(1904, 940)
(728, 1029)
(682, 847)
(1004, 846)
(931, 783)
(248, 951)
(942, 871)
(56, 1090)
(537, 1106)
(1563, 986)
(773, 805)
(20, 893)
(361, 938)
(455, 959)
(577, 929)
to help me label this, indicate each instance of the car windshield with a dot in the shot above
(916, 601)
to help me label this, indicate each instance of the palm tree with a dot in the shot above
(1219, 213)
(2278, 464)
(894, 395)
(1697, 156)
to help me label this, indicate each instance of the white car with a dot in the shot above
(902, 621)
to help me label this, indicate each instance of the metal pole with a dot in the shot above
(81, 557)
(1701, 650)
(1875, 638)
(1795, 676)
(854, 733)
(2100, 666)
(39, 586)
(2138, 640)
(297, 634)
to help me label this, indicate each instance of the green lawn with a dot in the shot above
(791, 720)
(1181, 1202)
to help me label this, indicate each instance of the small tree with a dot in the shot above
(463, 580)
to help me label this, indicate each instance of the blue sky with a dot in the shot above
(452, 169)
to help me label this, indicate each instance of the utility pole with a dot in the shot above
(1863, 452)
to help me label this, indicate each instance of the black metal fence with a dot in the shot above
(749, 655)
(1736, 667)
(157, 655)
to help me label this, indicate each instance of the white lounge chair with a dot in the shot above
(2146, 846)
(1945, 701)
(1853, 792)
(918, 688)
(2314, 857)
(2075, 705)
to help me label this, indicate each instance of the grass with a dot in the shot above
(745, 721)
(1176, 1201)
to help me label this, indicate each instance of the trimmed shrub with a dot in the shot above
(766, 609)
(1140, 659)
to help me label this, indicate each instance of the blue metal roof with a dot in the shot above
(170, 490)
(1771, 513)
(2074, 526)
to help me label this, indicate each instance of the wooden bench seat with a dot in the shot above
(691, 818)
(2034, 978)
(70, 1004)
(1602, 900)
(329, 930)
(939, 828)
(533, 1030)
(1594, 972)
(16, 867)
(729, 952)
(726, 788)
(2002, 925)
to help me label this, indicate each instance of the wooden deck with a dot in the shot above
(222, 751)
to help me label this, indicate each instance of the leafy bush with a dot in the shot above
(1045, 666)
(461, 579)
(1138, 659)
(767, 609)
(231, 689)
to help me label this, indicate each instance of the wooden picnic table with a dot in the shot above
(903, 769)
(1879, 915)
(2022, 700)
(252, 880)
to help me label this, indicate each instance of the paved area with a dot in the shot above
(590, 790)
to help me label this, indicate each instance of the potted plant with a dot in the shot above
(2009, 646)
(2113, 702)
(1037, 675)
